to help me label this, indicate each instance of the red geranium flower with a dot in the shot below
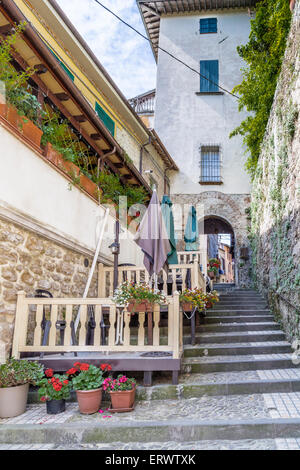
(49, 373)
(71, 371)
(104, 367)
(77, 364)
(66, 382)
(84, 366)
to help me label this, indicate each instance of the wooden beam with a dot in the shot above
(96, 136)
(6, 29)
(80, 118)
(62, 96)
(40, 69)
(119, 165)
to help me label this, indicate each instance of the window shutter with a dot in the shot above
(69, 73)
(208, 25)
(105, 118)
(209, 69)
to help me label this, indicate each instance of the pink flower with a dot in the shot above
(101, 411)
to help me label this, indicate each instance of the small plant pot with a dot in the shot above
(13, 117)
(211, 274)
(140, 307)
(54, 407)
(208, 305)
(187, 306)
(13, 401)
(122, 400)
(88, 185)
(89, 401)
(31, 131)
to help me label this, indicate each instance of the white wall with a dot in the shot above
(184, 120)
(34, 192)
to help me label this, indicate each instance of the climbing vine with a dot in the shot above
(263, 55)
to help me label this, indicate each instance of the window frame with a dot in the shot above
(210, 173)
(208, 20)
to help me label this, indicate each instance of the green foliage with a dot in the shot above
(18, 92)
(113, 189)
(120, 384)
(20, 372)
(54, 387)
(263, 55)
(89, 378)
(128, 292)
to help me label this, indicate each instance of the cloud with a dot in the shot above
(125, 55)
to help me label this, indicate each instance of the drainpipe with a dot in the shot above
(141, 153)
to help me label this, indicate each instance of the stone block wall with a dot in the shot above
(29, 262)
(275, 207)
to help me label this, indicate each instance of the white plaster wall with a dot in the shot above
(184, 120)
(31, 187)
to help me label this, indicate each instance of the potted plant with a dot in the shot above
(54, 389)
(15, 377)
(122, 392)
(213, 267)
(211, 299)
(137, 297)
(191, 298)
(87, 380)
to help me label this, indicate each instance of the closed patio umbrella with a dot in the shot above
(152, 238)
(191, 234)
(166, 207)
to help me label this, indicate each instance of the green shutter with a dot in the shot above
(209, 69)
(105, 118)
(72, 77)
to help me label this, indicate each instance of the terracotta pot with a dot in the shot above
(13, 117)
(140, 307)
(13, 401)
(31, 131)
(122, 400)
(89, 401)
(208, 305)
(292, 4)
(51, 154)
(211, 274)
(187, 306)
(89, 186)
(55, 407)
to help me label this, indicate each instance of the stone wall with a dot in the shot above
(29, 262)
(232, 208)
(275, 207)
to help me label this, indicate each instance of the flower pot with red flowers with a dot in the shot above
(54, 389)
(122, 392)
(15, 377)
(88, 385)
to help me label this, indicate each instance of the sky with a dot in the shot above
(127, 57)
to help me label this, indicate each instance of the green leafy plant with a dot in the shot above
(18, 92)
(86, 376)
(128, 291)
(54, 386)
(213, 265)
(16, 372)
(263, 55)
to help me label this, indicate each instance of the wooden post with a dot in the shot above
(195, 275)
(101, 281)
(176, 326)
(19, 333)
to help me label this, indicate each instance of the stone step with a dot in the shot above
(242, 337)
(237, 319)
(229, 417)
(232, 312)
(237, 363)
(239, 306)
(208, 350)
(234, 327)
(234, 304)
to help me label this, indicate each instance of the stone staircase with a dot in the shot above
(239, 389)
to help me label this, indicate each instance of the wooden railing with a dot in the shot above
(186, 257)
(46, 325)
(179, 277)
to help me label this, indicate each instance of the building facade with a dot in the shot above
(195, 111)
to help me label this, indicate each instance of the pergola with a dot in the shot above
(152, 10)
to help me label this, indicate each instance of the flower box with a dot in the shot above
(187, 306)
(136, 306)
(122, 400)
(88, 185)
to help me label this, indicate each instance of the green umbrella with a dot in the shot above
(166, 208)
(191, 234)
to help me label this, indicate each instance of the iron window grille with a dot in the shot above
(210, 165)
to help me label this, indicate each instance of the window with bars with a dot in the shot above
(208, 25)
(210, 165)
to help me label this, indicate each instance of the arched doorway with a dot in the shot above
(221, 245)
